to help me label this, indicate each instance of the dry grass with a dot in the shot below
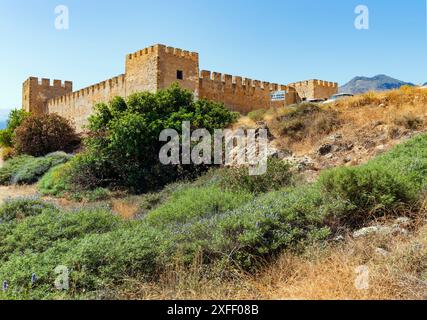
(364, 117)
(125, 208)
(322, 273)
(16, 191)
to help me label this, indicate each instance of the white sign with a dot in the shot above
(278, 96)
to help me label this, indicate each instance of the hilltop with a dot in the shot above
(381, 82)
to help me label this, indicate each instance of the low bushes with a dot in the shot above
(27, 169)
(232, 227)
(257, 115)
(39, 135)
(46, 226)
(409, 121)
(19, 209)
(278, 176)
(195, 203)
(367, 191)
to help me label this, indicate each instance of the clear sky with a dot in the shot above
(272, 40)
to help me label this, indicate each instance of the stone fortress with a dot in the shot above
(158, 67)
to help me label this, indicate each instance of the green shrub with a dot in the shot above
(278, 175)
(95, 260)
(368, 191)
(20, 208)
(27, 169)
(38, 232)
(257, 115)
(257, 230)
(43, 134)
(202, 219)
(195, 203)
(16, 117)
(55, 181)
(123, 147)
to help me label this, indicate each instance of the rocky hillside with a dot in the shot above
(347, 133)
(360, 85)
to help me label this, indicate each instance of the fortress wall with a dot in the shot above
(315, 89)
(241, 94)
(325, 89)
(78, 106)
(157, 67)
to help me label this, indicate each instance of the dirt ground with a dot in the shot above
(18, 191)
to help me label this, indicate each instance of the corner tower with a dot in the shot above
(36, 93)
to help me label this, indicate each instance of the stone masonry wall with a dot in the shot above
(241, 94)
(315, 89)
(78, 106)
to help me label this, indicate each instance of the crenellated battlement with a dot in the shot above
(315, 82)
(162, 49)
(95, 89)
(238, 81)
(48, 83)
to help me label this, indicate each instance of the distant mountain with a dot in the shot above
(425, 84)
(378, 83)
(2, 124)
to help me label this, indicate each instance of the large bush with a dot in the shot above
(16, 117)
(39, 135)
(123, 147)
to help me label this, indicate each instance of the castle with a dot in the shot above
(158, 67)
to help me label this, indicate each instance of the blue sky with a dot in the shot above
(273, 40)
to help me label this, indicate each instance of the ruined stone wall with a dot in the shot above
(37, 92)
(241, 94)
(78, 106)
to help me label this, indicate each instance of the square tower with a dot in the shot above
(36, 93)
(158, 67)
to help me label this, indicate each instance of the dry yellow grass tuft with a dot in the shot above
(126, 209)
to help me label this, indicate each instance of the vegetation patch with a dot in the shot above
(27, 169)
(39, 135)
(308, 120)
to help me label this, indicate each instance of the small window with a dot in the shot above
(180, 75)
